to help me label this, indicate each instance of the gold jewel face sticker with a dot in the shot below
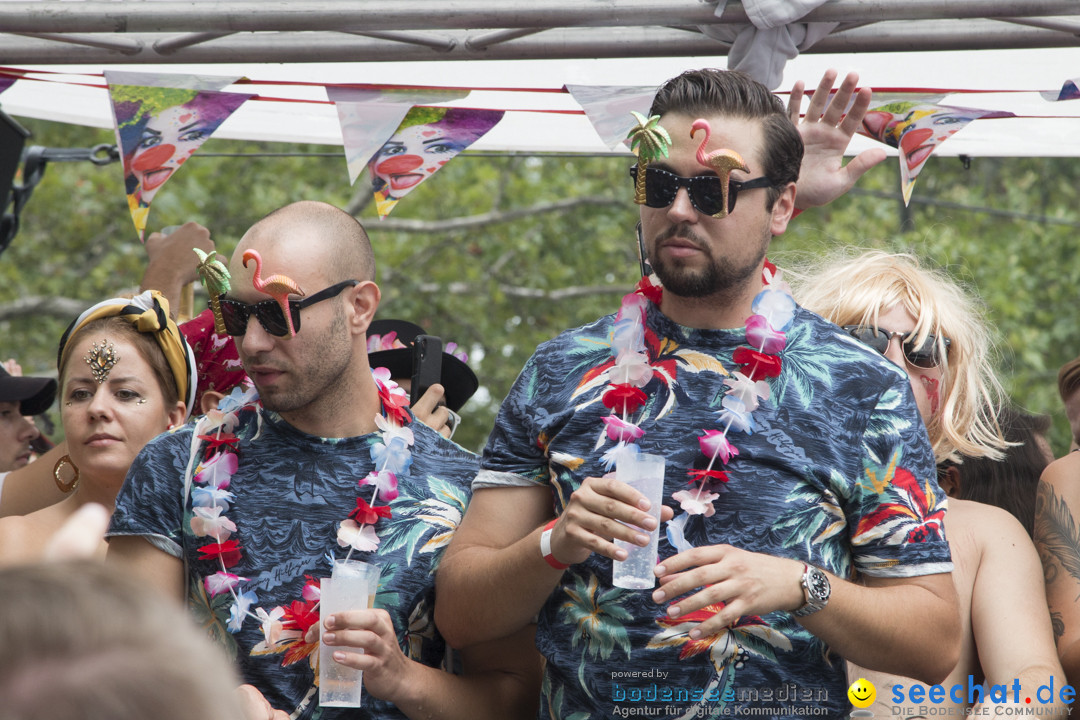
(101, 360)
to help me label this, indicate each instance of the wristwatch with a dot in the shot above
(816, 589)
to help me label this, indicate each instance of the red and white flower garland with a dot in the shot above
(773, 312)
(211, 500)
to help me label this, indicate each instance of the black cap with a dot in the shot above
(457, 378)
(34, 394)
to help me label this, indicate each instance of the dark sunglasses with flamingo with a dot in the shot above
(235, 314)
(706, 191)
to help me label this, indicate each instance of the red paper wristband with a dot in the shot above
(545, 547)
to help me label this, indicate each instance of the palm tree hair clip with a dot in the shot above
(215, 277)
(650, 142)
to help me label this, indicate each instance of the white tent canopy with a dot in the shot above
(988, 46)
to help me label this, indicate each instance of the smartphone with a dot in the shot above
(427, 365)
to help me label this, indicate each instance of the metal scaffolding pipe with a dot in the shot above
(377, 15)
(128, 46)
(1066, 25)
(942, 35)
(173, 44)
(432, 42)
(552, 44)
(483, 42)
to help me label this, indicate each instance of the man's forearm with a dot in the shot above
(500, 680)
(486, 593)
(887, 625)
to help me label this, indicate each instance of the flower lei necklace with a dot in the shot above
(773, 312)
(211, 499)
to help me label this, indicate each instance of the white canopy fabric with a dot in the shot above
(1042, 128)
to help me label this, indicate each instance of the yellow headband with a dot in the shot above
(148, 312)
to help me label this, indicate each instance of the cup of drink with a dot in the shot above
(351, 586)
(644, 473)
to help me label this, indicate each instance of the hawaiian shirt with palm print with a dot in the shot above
(291, 490)
(839, 473)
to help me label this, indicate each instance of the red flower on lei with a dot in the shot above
(367, 515)
(300, 614)
(228, 552)
(623, 399)
(773, 313)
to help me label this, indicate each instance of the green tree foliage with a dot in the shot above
(500, 253)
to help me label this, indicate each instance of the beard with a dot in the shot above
(714, 278)
(314, 383)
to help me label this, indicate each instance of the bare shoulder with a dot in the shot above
(1064, 476)
(988, 524)
(20, 539)
(981, 535)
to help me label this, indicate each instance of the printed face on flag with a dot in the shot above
(158, 129)
(167, 140)
(915, 129)
(426, 140)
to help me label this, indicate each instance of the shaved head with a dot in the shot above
(333, 240)
(317, 378)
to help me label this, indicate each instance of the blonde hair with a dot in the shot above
(84, 642)
(856, 290)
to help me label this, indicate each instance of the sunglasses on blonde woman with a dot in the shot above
(924, 356)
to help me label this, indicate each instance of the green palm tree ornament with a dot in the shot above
(650, 142)
(215, 277)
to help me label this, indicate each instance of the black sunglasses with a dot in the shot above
(235, 314)
(706, 191)
(925, 356)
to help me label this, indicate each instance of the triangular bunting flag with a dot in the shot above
(608, 108)
(1069, 91)
(6, 81)
(426, 139)
(159, 127)
(369, 116)
(916, 128)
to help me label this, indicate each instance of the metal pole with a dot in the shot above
(553, 44)
(282, 15)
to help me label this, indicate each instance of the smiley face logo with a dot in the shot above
(862, 693)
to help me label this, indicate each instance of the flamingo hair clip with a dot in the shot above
(722, 161)
(278, 287)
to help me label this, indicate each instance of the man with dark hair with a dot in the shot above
(1069, 389)
(793, 457)
(20, 399)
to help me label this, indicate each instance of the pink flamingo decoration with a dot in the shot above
(276, 286)
(722, 161)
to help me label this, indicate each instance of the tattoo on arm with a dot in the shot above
(1056, 530)
(1058, 624)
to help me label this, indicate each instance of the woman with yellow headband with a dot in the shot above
(126, 375)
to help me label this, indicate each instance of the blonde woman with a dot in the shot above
(933, 330)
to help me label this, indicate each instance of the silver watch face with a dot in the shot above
(817, 585)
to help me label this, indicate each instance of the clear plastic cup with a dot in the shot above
(351, 586)
(644, 473)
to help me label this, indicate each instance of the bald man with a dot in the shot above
(244, 512)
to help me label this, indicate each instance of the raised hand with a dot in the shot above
(826, 131)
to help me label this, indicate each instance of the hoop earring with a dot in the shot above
(70, 486)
